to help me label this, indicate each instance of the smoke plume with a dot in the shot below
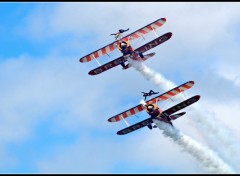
(209, 160)
(215, 134)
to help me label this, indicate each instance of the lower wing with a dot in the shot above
(135, 126)
(115, 63)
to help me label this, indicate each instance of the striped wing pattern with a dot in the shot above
(134, 35)
(146, 29)
(127, 113)
(99, 52)
(161, 97)
(172, 92)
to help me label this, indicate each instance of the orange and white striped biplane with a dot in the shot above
(123, 44)
(154, 111)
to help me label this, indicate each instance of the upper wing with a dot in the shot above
(161, 97)
(100, 52)
(146, 29)
(106, 49)
(172, 92)
(126, 113)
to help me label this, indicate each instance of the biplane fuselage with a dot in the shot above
(156, 113)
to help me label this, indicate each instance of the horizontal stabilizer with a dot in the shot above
(175, 116)
(146, 57)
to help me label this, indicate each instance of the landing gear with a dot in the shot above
(141, 55)
(168, 118)
(123, 65)
(149, 126)
(123, 62)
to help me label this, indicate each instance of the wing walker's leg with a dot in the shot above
(124, 120)
(97, 61)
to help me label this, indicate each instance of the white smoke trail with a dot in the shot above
(217, 135)
(229, 150)
(210, 161)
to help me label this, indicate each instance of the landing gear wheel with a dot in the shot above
(149, 126)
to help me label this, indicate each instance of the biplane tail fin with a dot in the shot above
(175, 116)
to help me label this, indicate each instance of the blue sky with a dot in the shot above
(53, 115)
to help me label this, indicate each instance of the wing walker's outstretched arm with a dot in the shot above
(151, 92)
(120, 31)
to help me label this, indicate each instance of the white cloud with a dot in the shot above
(107, 156)
(33, 88)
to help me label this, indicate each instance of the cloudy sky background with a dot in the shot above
(53, 115)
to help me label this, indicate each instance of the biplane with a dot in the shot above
(154, 111)
(123, 44)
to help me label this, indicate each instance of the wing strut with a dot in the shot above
(154, 32)
(97, 61)
(182, 91)
(107, 54)
(124, 120)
